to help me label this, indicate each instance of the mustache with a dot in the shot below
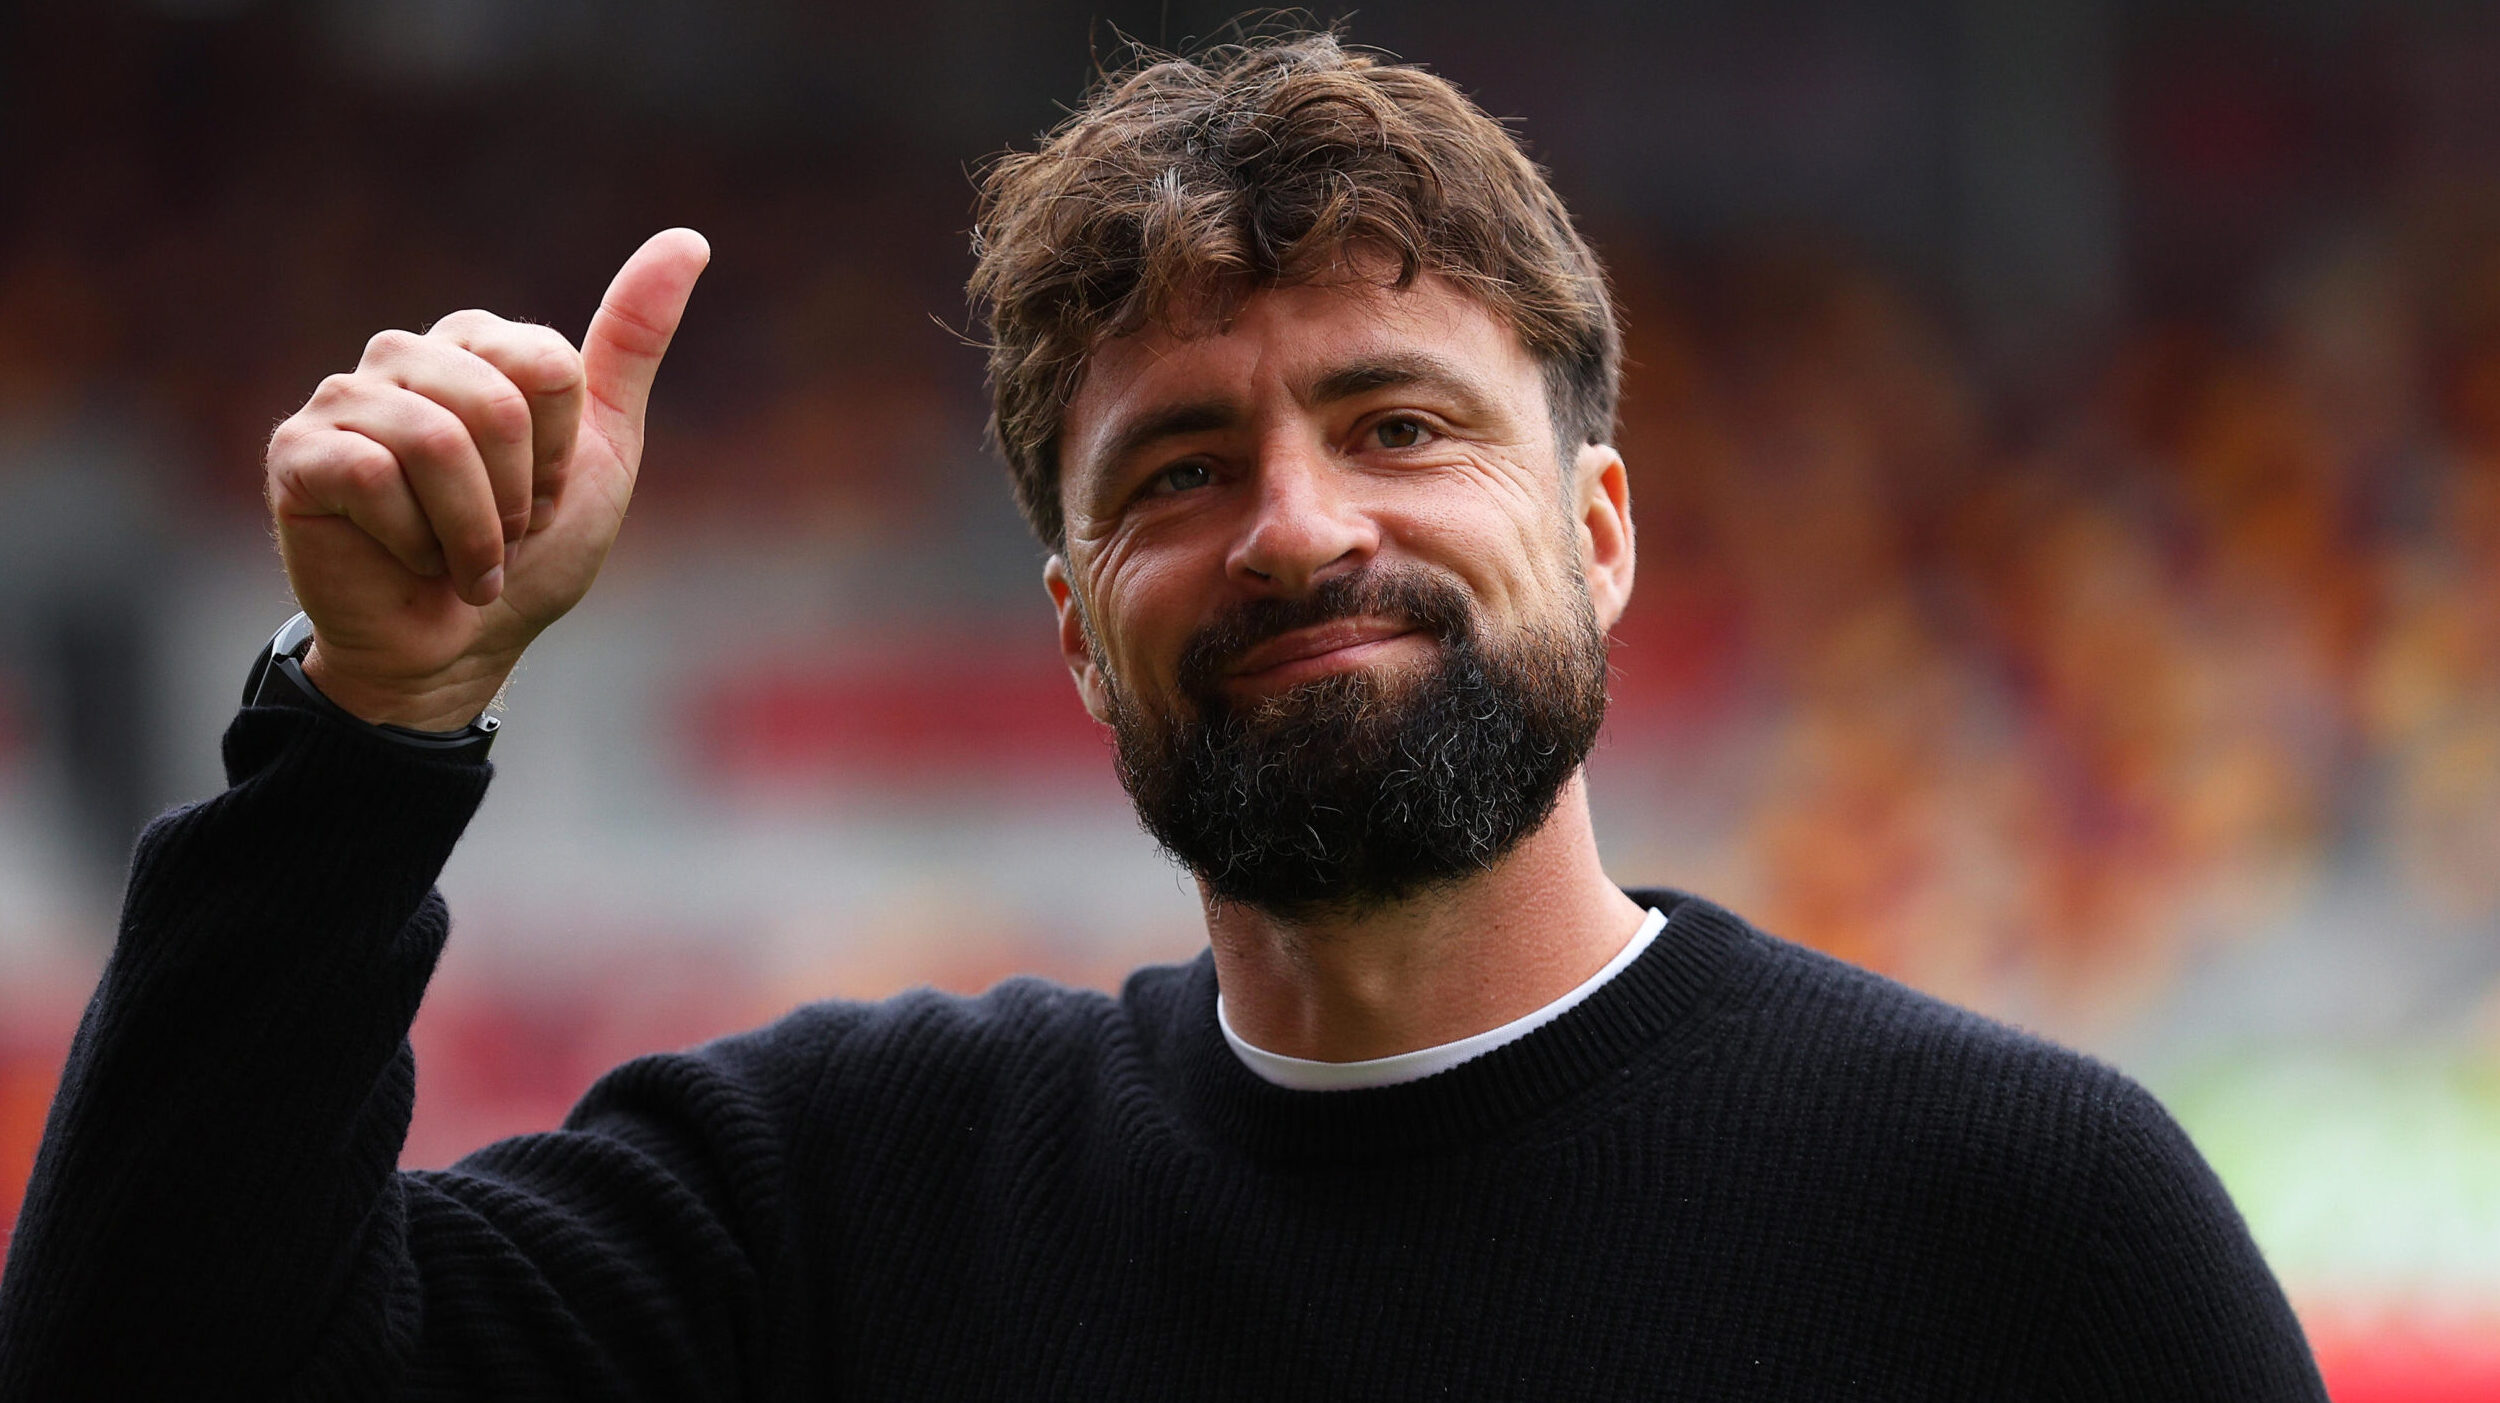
(1421, 599)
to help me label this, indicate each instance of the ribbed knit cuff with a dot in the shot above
(326, 829)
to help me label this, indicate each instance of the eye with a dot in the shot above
(1400, 432)
(1180, 477)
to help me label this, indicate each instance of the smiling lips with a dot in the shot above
(1304, 653)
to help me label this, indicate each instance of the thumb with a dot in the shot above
(621, 351)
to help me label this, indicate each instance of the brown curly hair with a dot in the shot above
(1186, 183)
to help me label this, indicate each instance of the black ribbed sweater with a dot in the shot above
(1739, 1170)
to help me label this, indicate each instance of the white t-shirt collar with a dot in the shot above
(1303, 1074)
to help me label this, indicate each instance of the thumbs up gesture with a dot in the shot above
(455, 494)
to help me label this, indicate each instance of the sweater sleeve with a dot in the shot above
(2171, 1298)
(216, 1211)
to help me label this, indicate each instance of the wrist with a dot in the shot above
(278, 679)
(444, 705)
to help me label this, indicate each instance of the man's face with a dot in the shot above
(1305, 545)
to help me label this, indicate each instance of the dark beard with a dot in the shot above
(1356, 790)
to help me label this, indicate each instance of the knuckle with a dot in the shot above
(294, 449)
(389, 345)
(467, 321)
(364, 467)
(508, 413)
(333, 389)
(556, 363)
(442, 439)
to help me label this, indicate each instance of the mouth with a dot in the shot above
(1339, 645)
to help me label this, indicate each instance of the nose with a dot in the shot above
(1306, 526)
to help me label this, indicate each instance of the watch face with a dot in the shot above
(258, 677)
(292, 640)
(294, 637)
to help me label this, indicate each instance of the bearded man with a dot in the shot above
(1307, 382)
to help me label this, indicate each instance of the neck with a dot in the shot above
(1443, 966)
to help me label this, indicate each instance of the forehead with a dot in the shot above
(1284, 341)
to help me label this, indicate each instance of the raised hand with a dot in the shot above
(456, 493)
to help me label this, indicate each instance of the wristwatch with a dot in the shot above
(278, 680)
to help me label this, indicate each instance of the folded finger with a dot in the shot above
(342, 473)
(496, 414)
(444, 469)
(547, 370)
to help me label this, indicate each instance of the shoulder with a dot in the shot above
(913, 1084)
(1850, 1057)
(929, 1034)
(1933, 1103)
(1837, 1018)
(1922, 1132)
(1022, 1043)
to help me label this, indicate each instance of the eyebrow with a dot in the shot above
(1171, 421)
(1402, 368)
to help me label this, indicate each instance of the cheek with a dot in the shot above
(1143, 611)
(1500, 529)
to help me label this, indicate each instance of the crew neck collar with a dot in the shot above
(1307, 1074)
(1486, 1097)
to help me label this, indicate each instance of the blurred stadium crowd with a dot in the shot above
(2042, 680)
(2223, 617)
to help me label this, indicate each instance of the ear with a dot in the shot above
(1073, 647)
(1602, 498)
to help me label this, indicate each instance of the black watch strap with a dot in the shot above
(278, 680)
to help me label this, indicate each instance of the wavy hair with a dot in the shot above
(1183, 184)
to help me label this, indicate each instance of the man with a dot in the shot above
(1306, 380)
